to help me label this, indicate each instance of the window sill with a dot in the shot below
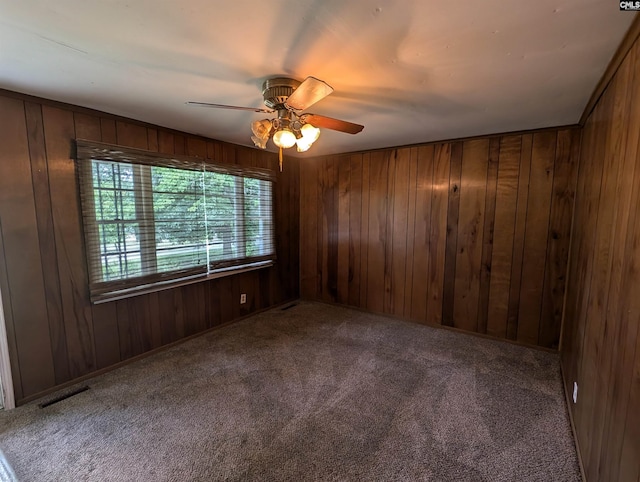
(175, 283)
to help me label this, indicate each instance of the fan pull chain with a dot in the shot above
(280, 159)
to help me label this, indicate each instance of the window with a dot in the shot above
(152, 221)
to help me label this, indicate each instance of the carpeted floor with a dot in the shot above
(315, 392)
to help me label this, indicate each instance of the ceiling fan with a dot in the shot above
(287, 98)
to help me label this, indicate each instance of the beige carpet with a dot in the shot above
(315, 392)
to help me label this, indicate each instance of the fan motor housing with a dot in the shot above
(275, 92)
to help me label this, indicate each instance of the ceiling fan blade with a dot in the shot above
(232, 107)
(331, 123)
(308, 93)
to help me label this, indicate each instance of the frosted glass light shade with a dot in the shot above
(303, 144)
(261, 130)
(310, 133)
(284, 138)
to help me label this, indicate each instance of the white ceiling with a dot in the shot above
(411, 71)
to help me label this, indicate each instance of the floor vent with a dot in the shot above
(288, 307)
(64, 396)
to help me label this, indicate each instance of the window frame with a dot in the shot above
(142, 162)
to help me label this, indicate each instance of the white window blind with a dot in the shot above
(151, 221)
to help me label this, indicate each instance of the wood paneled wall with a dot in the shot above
(55, 334)
(472, 234)
(601, 336)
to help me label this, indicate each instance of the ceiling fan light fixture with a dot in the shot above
(284, 138)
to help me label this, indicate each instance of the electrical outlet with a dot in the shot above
(243, 298)
(575, 392)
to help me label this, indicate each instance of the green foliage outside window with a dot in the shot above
(174, 219)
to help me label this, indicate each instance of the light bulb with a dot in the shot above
(284, 138)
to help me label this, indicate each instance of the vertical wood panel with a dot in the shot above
(589, 327)
(293, 219)
(108, 129)
(42, 198)
(25, 294)
(132, 135)
(505, 217)
(152, 139)
(165, 142)
(355, 227)
(439, 232)
(386, 220)
(618, 356)
(536, 234)
(235, 296)
(564, 180)
(196, 147)
(321, 238)
(194, 307)
(308, 229)
(124, 327)
(407, 283)
(572, 338)
(167, 319)
(87, 127)
(342, 232)
(453, 210)
(154, 320)
(330, 206)
(418, 244)
(473, 186)
(215, 301)
(519, 236)
(226, 293)
(107, 337)
(179, 145)
(600, 330)
(398, 245)
(377, 240)
(487, 235)
(364, 231)
(59, 132)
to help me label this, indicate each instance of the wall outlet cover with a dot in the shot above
(243, 298)
(575, 392)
